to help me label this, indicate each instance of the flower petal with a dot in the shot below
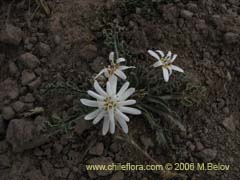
(92, 115)
(99, 116)
(120, 74)
(89, 103)
(165, 74)
(99, 89)
(160, 52)
(130, 110)
(123, 89)
(119, 60)
(112, 121)
(111, 57)
(122, 116)
(153, 54)
(95, 95)
(113, 82)
(157, 64)
(127, 103)
(106, 124)
(127, 94)
(122, 68)
(169, 54)
(170, 70)
(123, 125)
(101, 72)
(109, 88)
(173, 58)
(176, 68)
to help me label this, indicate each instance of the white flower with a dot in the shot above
(114, 69)
(165, 62)
(111, 106)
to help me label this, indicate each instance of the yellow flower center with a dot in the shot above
(166, 62)
(112, 68)
(109, 104)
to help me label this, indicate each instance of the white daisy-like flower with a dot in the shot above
(111, 106)
(114, 69)
(165, 62)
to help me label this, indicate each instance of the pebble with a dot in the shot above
(11, 35)
(29, 60)
(28, 98)
(27, 77)
(186, 14)
(207, 154)
(35, 84)
(18, 106)
(8, 113)
(97, 149)
(229, 123)
(43, 49)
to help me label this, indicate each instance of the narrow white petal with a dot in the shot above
(173, 58)
(170, 70)
(99, 116)
(109, 88)
(176, 68)
(101, 72)
(106, 124)
(122, 116)
(127, 103)
(122, 68)
(99, 89)
(169, 54)
(95, 95)
(157, 64)
(165, 74)
(119, 60)
(112, 121)
(113, 82)
(161, 53)
(127, 94)
(120, 74)
(92, 115)
(123, 89)
(89, 103)
(106, 74)
(130, 110)
(111, 57)
(153, 54)
(123, 125)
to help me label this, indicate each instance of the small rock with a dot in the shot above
(101, 161)
(186, 14)
(11, 35)
(118, 176)
(207, 154)
(43, 49)
(13, 69)
(199, 146)
(27, 77)
(28, 98)
(8, 88)
(23, 134)
(35, 84)
(97, 149)
(29, 60)
(57, 40)
(18, 106)
(192, 7)
(81, 126)
(229, 124)
(88, 52)
(8, 113)
(231, 38)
